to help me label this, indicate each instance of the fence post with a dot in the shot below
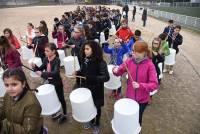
(186, 20)
(195, 22)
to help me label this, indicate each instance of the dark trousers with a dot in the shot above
(60, 94)
(144, 23)
(96, 120)
(142, 107)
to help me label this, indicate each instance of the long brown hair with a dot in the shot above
(5, 43)
(9, 31)
(141, 46)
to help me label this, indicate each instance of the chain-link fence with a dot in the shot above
(192, 22)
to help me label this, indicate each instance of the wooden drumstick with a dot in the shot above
(76, 76)
(128, 72)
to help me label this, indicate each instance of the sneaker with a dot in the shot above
(118, 96)
(62, 118)
(96, 130)
(45, 130)
(171, 72)
(87, 125)
(165, 70)
(56, 115)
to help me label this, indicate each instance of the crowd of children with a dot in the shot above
(77, 30)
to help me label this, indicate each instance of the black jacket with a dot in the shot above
(54, 76)
(96, 74)
(175, 43)
(40, 42)
(156, 60)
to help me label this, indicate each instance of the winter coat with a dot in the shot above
(21, 116)
(96, 73)
(11, 59)
(175, 43)
(116, 54)
(40, 42)
(144, 73)
(124, 33)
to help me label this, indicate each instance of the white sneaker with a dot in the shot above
(171, 72)
(165, 70)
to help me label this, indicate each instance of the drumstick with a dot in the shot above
(28, 68)
(76, 76)
(24, 41)
(128, 72)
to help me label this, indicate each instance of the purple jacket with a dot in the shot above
(145, 74)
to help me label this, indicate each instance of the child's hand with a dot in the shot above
(72, 46)
(32, 65)
(135, 85)
(115, 69)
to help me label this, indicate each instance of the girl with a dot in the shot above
(10, 57)
(50, 71)
(157, 56)
(142, 76)
(94, 68)
(60, 35)
(30, 33)
(116, 54)
(43, 25)
(20, 112)
(39, 43)
(11, 38)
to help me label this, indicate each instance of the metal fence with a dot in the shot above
(192, 22)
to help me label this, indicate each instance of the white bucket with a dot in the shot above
(48, 99)
(69, 65)
(126, 117)
(26, 53)
(114, 82)
(112, 31)
(37, 61)
(161, 70)
(102, 37)
(170, 59)
(61, 54)
(55, 42)
(2, 86)
(83, 108)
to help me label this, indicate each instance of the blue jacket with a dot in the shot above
(116, 54)
(130, 44)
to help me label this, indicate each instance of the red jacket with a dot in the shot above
(12, 59)
(124, 33)
(60, 38)
(14, 41)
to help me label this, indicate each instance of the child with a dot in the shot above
(124, 32)
(175, 39)
(10, 57)
(44, 28)
(170, 28)
(20, 112)
(116, 54)
(94, 68)
(60, 35)
(39, 42)
(76, 41)
(136, 37)
(157, 56)
(142, 76)
(30, 33)
(11, 38)
(50, 71)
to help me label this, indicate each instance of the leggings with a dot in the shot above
(142, 107)
(60, 94)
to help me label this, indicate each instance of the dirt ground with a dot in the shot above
(175, 109)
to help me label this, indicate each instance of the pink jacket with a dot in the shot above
(145, 74)
(60, 38)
